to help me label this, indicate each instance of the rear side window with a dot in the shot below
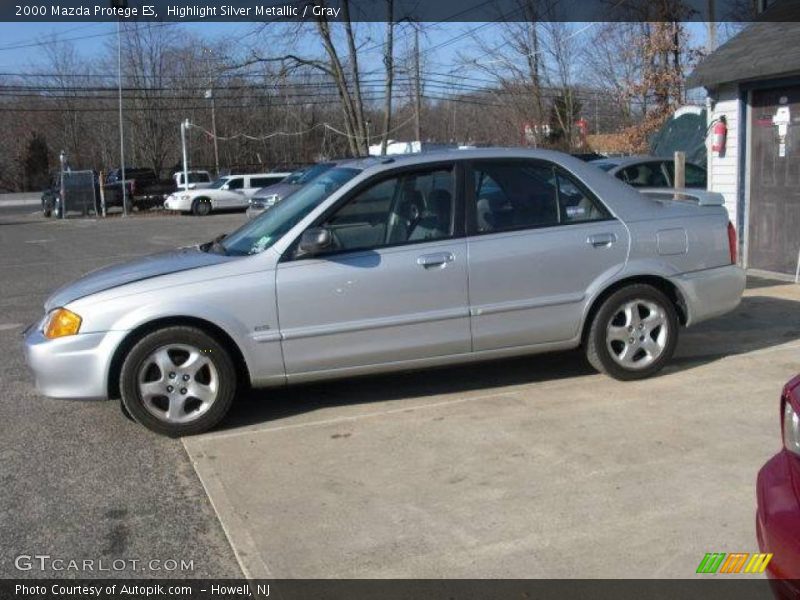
(514, 196)
(644, 175)
(695, 176)
(522, 195)
(197, 177)
(259, 182)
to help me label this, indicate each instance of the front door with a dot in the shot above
(774, 218)
(538, 240)
(393, 285)
(232, 194)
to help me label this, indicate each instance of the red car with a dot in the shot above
(778, 490)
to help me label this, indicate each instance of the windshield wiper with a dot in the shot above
(215, 246)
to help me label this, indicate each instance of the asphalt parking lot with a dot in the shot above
(532, 467)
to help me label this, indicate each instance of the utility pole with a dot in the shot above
(711, 43)
(184, 127)
(417, 88)
(210, 96)
(121, 4)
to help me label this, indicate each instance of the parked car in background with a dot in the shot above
(89, 200)
(226, 193)
(650, 171)
(197, 180)
(268, 197)
(145, 190)
(50, 195)
(385, 264)
(778, 494)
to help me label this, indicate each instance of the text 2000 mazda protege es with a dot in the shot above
(397, 263)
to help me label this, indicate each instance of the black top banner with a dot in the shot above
(401, 10)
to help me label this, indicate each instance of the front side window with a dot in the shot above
(523, 195)
(262, 232)
(236, 184)
(406, 208)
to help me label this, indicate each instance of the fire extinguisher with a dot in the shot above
(720, 132)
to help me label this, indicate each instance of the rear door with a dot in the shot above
(537, 240)
(394, 285)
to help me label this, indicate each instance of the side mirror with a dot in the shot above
(314, 240)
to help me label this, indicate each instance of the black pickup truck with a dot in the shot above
(144, 189)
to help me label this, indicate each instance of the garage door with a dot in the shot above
(774, 234)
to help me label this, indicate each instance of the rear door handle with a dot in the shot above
(601, 240)
(438, 259)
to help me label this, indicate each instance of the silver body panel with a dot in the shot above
(499, 294)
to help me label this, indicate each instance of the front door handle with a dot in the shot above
(438, 259)
(601, 240)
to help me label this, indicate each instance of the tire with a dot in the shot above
(201, 207)
(47, 211)
(165, 395)
(57, 210)
(633, 334)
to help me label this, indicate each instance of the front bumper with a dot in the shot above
(173, 203)
(778, 516)
(711, 292)
(74, 366)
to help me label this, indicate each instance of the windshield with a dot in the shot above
(294, 177)
(218, 183)
(313, 172)
(263, 231)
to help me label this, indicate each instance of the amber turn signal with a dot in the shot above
(61, 322)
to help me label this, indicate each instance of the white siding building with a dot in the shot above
(753, 82)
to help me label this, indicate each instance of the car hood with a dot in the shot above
(281, 190)
(112, 276)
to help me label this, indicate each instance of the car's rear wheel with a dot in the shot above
(178, 381)
(633, 334)
(201, 207)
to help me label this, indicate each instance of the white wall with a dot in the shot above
(723, 170)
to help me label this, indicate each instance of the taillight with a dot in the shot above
(732, 242)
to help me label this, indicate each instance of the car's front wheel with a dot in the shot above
(201, 207)
(178, 381)
(633, 334)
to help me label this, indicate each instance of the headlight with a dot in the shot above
(791, 428)
(258, 202)
(270, 200)
(61, 322)
(186, 197)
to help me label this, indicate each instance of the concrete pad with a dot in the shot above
(533, 467)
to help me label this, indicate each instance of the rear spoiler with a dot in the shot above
(700, 197)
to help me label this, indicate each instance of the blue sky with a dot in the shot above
(90, 39)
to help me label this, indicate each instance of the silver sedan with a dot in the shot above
(395, 263)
